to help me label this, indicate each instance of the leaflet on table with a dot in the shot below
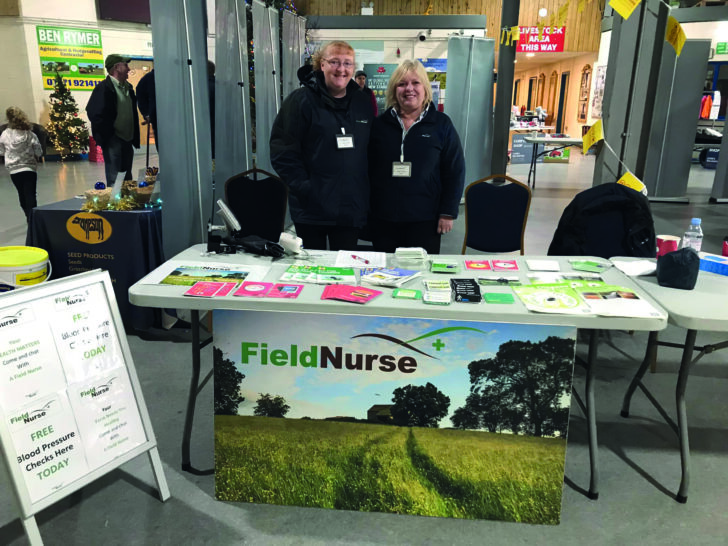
(389, 277)
(189, 273)
(48, 446)
(616, 301)
(348, 258)
(354, 294)
(107, 416)
(499, 280)
(319, 274)
(482, 265)
(543, 265)
(571, 279)
(556, 298)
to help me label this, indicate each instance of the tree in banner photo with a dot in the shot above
(407, 416)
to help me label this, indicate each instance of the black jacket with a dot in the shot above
(101, 110)
(433, 148)
(328, 186)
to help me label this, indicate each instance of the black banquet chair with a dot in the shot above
(496, 211)
(259, 201)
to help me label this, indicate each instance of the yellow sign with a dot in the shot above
(88, 227)
(562, 14)
(594, 135)
(675, 35)
(74, 53)
(624, 7)
(631, 181)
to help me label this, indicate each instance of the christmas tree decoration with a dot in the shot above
(66, 131)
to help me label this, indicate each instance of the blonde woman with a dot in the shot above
(416, 166)
(21, 149)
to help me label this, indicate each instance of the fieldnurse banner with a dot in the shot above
(380, 414)
(75, 53)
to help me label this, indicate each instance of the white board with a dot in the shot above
(71, 408)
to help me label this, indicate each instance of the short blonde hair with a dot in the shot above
(321, 53)
(399, 74)
(17, 119)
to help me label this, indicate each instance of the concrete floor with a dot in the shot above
(639, 459)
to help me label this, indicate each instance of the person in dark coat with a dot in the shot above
(318, 146)
(416, 166)
(112, 111)
(361, 78)
(147, 100)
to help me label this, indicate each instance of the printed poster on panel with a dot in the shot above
(74, 53)
(380, 414)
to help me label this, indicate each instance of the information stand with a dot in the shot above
(71, 407)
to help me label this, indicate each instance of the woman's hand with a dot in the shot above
(444, 225)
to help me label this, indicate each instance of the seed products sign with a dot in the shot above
(74, 53)
(379, 414)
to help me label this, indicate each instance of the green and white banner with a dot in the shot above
(380, 414)
(74, 53)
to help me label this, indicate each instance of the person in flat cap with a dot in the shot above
(112, 111)
(361, 78)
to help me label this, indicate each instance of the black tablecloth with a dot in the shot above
(127, 244)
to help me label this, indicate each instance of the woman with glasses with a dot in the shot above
(318, 146)
(416, 168)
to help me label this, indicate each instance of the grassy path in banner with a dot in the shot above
(356, 466)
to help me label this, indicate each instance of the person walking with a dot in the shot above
(21, 149)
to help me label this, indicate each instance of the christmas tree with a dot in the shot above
(66, 131)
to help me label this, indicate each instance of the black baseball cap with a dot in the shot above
(360, 73)
(113, 59)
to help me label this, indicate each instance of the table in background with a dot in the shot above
(559, 144)
(167, 296)
(705, 308)
(128, 244)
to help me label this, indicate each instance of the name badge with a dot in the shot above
(401, 169)
(344, 142)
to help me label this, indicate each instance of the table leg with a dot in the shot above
(648, 361)
(682, 415)
(195, 387)
(591, 416)
(532, 166)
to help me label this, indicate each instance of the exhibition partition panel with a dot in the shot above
(675, 119)
(185, 157)
(387, 414)
(294, 42)
(469, 100)
(233, 142)
(267, 79)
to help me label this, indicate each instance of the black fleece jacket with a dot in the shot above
(328, 186)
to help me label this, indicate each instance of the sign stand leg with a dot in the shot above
(159, 477)
(32, 531)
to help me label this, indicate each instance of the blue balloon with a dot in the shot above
(99, 186)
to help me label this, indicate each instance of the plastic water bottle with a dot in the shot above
(693, 237)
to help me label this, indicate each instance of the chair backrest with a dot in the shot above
(496, 211)
(606, 220)
(258, 203)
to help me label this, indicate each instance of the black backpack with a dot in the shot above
(606, 220)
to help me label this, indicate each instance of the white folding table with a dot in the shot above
(166, 296)
(559, 142)
(705, 309)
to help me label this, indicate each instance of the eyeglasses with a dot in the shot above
(336, 63)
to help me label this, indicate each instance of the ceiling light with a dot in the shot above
(530, 54)
(542, 12)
